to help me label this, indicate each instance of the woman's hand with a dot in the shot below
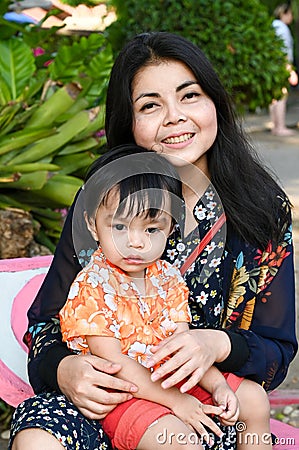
(81, 377)
(191, 354)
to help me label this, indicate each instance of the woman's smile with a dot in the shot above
(178, 139)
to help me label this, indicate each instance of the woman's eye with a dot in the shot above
(191, 95)
(148, 106)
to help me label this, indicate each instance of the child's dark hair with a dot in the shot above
(142, 179)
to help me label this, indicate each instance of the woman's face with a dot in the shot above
(172, 114)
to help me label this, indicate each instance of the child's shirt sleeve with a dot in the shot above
(89, 309)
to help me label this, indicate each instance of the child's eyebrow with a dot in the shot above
(158, 219)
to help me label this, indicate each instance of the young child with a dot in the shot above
(126, 299)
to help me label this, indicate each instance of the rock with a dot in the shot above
(295, 414)
(17, 230)
(5, 434)
(287, 410)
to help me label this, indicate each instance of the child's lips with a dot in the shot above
(134, 259)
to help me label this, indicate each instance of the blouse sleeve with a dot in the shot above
(268, 319)
(272, 337)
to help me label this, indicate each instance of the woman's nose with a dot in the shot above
(174, 115)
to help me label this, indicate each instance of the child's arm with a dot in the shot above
(184, 406)
(214, 382)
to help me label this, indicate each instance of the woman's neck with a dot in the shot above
(195, 183)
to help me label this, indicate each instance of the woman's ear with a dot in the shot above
(171, 229)
(91, 226)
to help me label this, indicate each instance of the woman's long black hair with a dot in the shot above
(251, 197)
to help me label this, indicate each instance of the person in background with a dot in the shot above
(283, 18)
(164, 95)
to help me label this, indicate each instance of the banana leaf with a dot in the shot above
(28, 181)
(16, 67)
(59, 191)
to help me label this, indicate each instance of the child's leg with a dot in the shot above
(253, 427)
(169, 432)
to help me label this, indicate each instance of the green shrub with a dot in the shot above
(236, 35)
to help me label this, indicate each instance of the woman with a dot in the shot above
(164, 95)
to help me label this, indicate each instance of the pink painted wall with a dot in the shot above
(20, 280)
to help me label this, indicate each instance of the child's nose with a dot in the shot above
(135, 239)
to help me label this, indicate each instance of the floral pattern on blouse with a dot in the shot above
(204, 276)
(104, 301)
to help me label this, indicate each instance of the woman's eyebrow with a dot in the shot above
(186, 84)
(147, 94)
(157, 95)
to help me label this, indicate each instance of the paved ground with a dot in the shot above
(282, 156)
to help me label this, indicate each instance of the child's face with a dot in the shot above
(131, 242)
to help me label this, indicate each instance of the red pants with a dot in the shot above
(127, 423)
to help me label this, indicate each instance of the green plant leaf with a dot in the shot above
(16, 65)
(72, 60)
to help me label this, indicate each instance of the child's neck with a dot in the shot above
(139, 281)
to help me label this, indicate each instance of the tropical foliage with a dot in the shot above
(51, 118)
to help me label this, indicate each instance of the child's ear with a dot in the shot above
(91, 226)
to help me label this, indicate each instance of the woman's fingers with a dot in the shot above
(85, 389)
(164, 350)
(90, 370)
(188, 355)
(101, 379)
(193, 380)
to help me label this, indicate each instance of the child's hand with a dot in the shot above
(194, 414)
(224, 397)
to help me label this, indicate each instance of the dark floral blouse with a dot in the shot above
(233, 285)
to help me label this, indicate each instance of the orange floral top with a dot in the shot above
(104, 301)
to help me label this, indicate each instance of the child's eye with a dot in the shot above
(152, 230)
(119, 226)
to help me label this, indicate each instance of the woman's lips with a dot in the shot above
(178, 139)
